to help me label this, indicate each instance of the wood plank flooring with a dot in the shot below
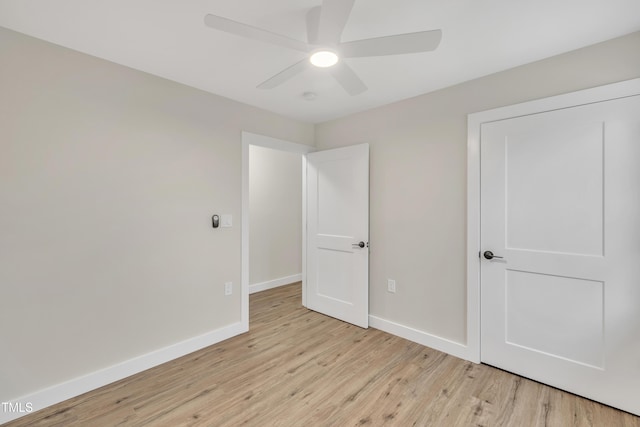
(300, 368)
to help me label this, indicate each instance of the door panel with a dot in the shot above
(575, 334)
(337, 219)
(560, 203)
(555, 188)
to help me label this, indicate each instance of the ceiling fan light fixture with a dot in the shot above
(324, 46)
(324, 58)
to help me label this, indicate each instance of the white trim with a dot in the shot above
(304, 231)
(428, 340)
(276, 144)
(244, 274)
(77, 386)
(275, 283)
(473, 238)
(587, 96)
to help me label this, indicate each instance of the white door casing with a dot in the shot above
(560, 201)
(337, 216)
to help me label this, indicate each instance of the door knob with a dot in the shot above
(358, 245)
(490, 255)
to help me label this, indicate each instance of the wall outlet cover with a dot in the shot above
(391, 285)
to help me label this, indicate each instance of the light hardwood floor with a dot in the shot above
(300, 368)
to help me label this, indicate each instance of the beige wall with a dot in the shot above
(418, 178)
(275, 214)
(108, 180)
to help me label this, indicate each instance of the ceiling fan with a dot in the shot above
(324, 49)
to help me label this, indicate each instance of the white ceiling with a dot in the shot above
(169, 39)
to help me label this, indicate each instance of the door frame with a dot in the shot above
(474, 122)
(249, 139)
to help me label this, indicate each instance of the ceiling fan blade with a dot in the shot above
(285, 75)
(422, 41)
(248, 31)
(333, 17)
(313, 21)
(347, 78)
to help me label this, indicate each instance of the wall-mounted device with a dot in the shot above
(215, 221)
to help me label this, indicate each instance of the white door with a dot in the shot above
(560, 203)
(337, 282)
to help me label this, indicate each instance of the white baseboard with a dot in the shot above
(77, 386)
(270, 284)
(428, 340)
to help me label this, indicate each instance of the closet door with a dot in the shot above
(560, 249)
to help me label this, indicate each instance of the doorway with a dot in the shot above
(258, 143)
(336, 251)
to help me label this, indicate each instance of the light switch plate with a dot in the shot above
(226, 220)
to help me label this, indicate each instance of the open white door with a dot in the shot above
(337, 255)
(560, 244)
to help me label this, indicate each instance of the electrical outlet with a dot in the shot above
(228, 288)
(391, 286)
